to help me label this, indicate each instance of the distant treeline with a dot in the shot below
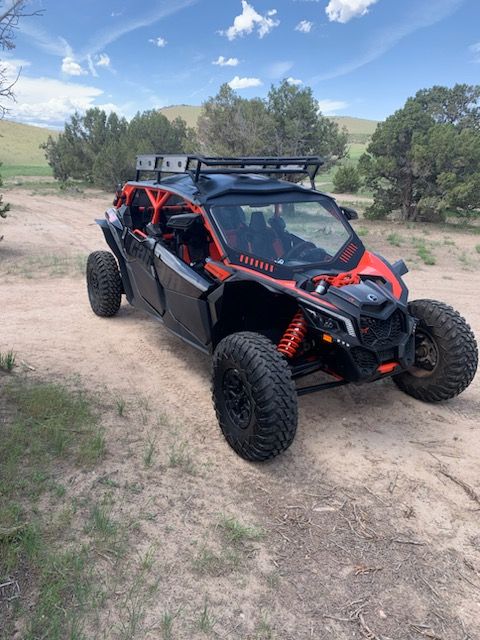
(422, 162)
(101, 148)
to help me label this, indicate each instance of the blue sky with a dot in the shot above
(361, 57)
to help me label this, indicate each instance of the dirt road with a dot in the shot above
(368, 530)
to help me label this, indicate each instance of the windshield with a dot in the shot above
(289, 233)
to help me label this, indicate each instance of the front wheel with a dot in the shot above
(446, 354)
(254, 396)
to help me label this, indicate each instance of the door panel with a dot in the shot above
(140, 262)
(184, 294)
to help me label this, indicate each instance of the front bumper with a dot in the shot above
(379, 346)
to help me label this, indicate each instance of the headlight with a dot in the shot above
(331, 321)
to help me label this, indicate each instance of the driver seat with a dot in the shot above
(280, 229)
(261, 237)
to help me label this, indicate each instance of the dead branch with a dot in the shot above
(366, 631)
(471, 493)
(393, 484)
(9, 591)
(426, 630)
(362, 569)
(414, 542)
(11, 531)
(9, 19)
(435, 593)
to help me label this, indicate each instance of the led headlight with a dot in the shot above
(331, 321)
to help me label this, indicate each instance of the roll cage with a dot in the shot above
(198, 185)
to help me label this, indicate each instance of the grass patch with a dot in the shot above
(264, 629)
(208, 562)
(51, 420)
(166, 624)
(394, 239)
(206, 621)
(120, 406)
(149, 453)
(236, 532)
(7, 361)
(477, 248)
(14, 170)
(424, 253)
(108, 535)
(180, 457)
(45, 424)
(54, 266)
(362, 231)
(464, 259)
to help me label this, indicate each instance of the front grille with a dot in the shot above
(365, 360)
(378, 333)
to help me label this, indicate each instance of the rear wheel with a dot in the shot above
(254, 395)
(446, 354)
(104, 284)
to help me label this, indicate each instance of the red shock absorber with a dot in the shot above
(293, 336)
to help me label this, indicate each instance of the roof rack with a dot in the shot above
(197, 165)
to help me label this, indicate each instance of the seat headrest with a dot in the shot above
(230, 217)
(258, 222)
(277, 223)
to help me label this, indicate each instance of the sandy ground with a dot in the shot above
(364, 534)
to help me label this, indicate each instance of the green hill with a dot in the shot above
(359, 129)
(20, 151)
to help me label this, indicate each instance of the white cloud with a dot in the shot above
(244, 83)
(11, 67)
(331, 106)
(54, 45)
(103, 60)
(422, 16)
(221, 61)
(344, 10)
(71, 67)
(111, 33)
(279, 69)
(48, 101)
(103, 37)
(249, 20)
(295, 81)
(159, 42)
(475, 49)
(304, 26)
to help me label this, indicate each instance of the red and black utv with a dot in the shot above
(269, 277)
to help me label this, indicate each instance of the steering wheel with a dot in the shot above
(300, 248)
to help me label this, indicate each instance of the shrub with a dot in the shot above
(347, 179)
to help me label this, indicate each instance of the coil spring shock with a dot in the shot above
(293, 336)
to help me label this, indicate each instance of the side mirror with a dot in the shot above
(400, 268)
(349, 213)
(183, 221)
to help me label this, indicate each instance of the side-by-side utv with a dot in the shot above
(270, 278)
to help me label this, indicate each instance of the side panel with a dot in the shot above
(187, 311)
(140, 261)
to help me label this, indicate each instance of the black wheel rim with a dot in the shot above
(238, 401)
(426, 354)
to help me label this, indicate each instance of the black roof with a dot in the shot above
(210, 188)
